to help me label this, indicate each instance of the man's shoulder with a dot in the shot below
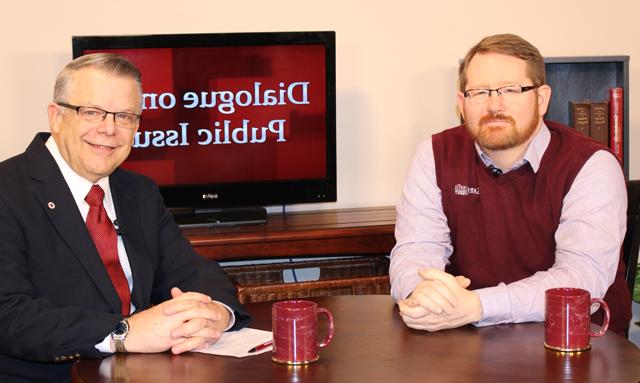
(32, 162)
(568, 138)
(132, 179)
(12, 163)
(12, 170)
(456, 131)
(451, 141)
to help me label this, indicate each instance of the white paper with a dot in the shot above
(238, 343)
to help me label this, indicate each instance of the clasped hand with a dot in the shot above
(186, 322)
(440, 301)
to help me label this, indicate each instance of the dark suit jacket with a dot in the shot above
(56, 299)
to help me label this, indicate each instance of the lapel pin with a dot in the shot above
(51, 205)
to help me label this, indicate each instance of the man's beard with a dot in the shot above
(505, 136)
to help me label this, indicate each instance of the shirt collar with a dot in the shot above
(78, 185)
(533, 154)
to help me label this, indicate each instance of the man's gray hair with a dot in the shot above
(107, 62)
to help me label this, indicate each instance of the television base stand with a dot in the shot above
(219, 217)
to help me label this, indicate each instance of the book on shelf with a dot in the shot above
(599, 121)
(579, 116)
(616, 133)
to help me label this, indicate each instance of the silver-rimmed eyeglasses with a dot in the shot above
(92, 114)
(507, 93)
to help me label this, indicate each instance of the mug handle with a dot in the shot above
(327, 339)
(605, 324)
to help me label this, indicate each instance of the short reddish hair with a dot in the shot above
(507, 44)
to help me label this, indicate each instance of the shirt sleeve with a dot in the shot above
(422, 233)
(588, 241)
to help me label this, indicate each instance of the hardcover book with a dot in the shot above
(615, 122)
(599, 125)
(579, 116)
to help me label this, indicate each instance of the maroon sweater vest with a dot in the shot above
(502, 228)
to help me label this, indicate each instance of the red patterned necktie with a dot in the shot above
(106, 241)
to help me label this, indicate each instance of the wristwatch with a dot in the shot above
(119, 334)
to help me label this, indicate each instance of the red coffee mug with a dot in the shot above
(295, 331)
(567, 319)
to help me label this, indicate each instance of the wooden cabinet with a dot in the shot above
(329, 233)
(587, 78)
(299, 234)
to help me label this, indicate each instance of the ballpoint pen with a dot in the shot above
(261, 347)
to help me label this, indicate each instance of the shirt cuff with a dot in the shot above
(402, 287)
(105, 345)
(232, 319)
(496, 305)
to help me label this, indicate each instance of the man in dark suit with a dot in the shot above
(61, 296)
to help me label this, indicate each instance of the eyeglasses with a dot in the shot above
(507, 93)
(94, 115)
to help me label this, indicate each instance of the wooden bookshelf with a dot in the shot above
(587, 78)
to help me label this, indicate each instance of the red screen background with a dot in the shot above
(205, 69)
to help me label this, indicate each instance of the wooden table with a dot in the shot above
(372, 344)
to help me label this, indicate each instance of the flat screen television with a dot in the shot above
(232, 120)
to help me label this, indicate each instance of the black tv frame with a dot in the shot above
(213, 197)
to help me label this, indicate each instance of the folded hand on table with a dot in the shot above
(440, 301)
(186, 322)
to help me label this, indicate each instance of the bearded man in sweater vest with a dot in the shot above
(506, 206)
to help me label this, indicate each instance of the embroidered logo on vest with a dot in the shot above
(465, 190)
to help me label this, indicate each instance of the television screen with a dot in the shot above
(229, 120)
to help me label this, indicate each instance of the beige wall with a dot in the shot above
(396, 62)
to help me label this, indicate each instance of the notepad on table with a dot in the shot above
(238, 343)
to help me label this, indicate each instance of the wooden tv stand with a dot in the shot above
(309, 233)
(326, 233)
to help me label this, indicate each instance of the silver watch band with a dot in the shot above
(119, 335)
